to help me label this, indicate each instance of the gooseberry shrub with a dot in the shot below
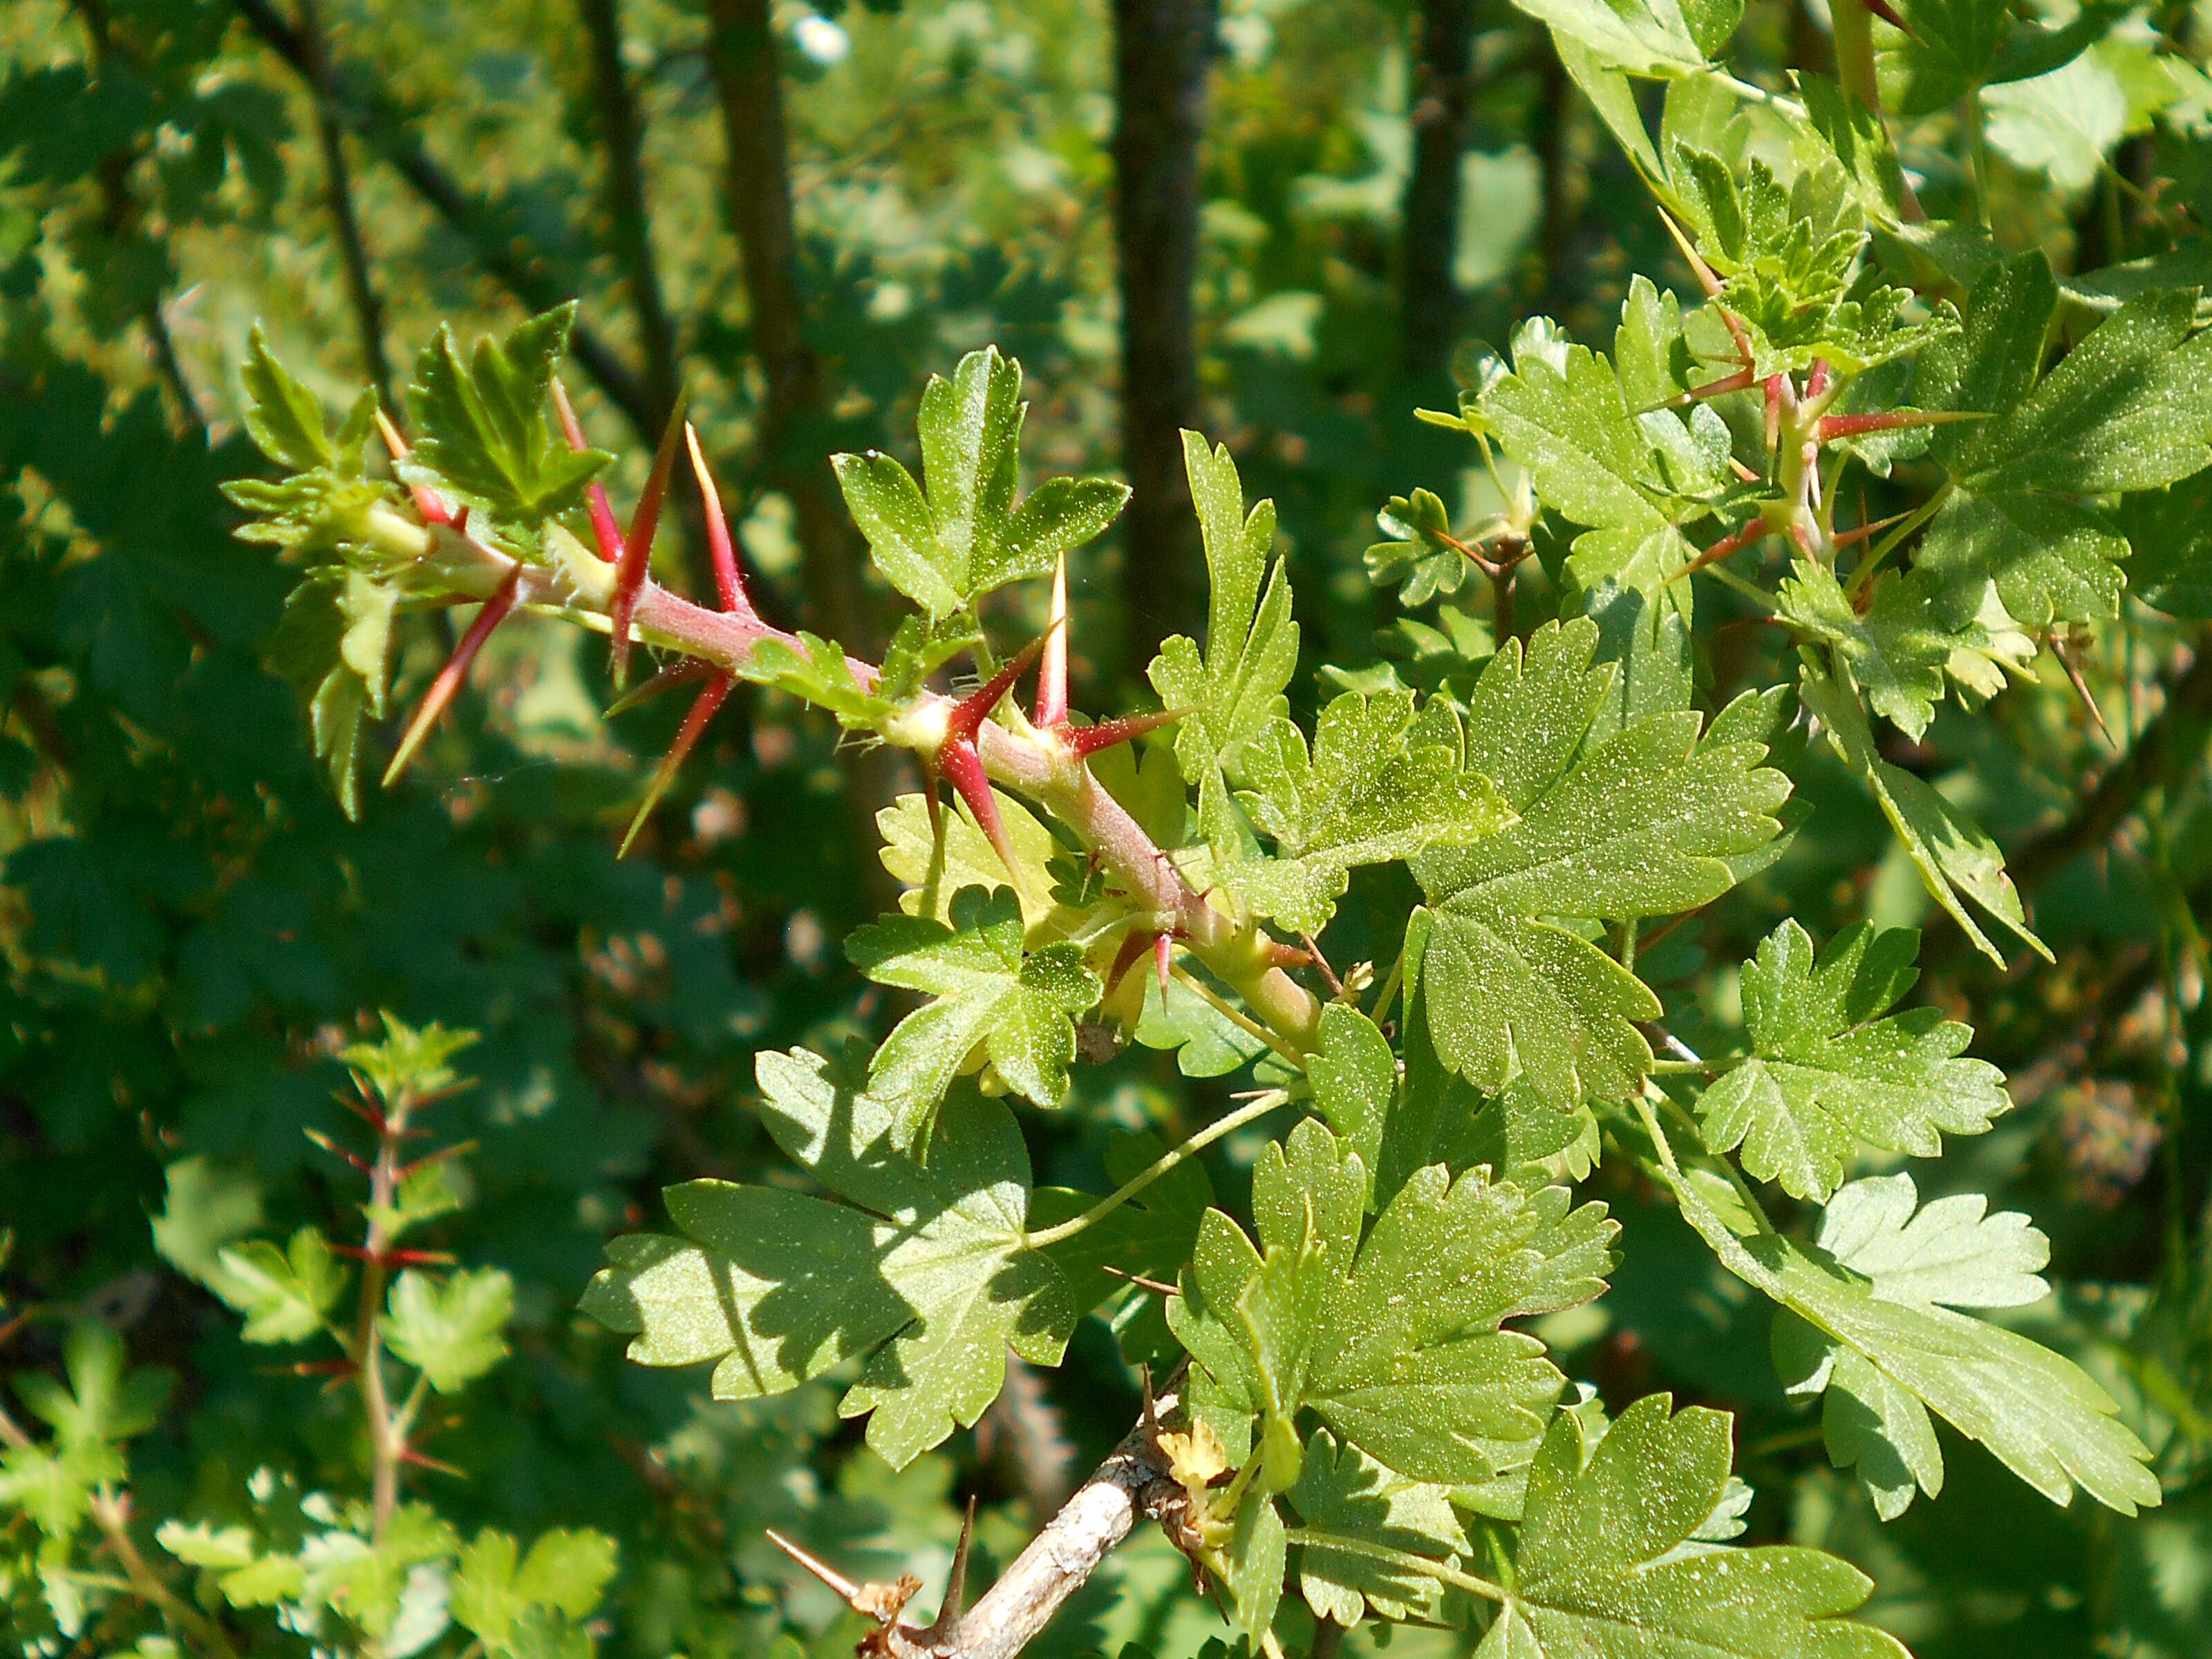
(1351, 1413)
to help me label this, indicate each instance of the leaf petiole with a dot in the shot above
(1405, 1561)
(1163, 1164)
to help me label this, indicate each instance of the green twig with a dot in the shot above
(1404, 1560)
(1271, 1100)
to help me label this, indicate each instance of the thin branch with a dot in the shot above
(382, 127)
(337, 180)
(1132, 1484)
(622, 134)
(1165, 1165)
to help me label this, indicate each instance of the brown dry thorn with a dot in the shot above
(1139, 1280)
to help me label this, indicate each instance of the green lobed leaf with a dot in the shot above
(1898, 651)
(1397, 1344)
(1633, 477)
(1641, 827)
(454, 1331)
(495, 1591)
(1828, 1071)
(2128, 408)
(1650, 37)
(1607, 1563)
(1343, 1492)
(1251, 641)
(1955, 857)
(2041, 1415)
(482, 432)
(925, 1268)
(947, 548)
(1014, 1004)
(1381, 785)
(935, 865)
(285, 1294)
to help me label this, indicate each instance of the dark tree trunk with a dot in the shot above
(796, 434)
(1161, 49)
(1443, 93)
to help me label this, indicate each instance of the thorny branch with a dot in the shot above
(1131, 1485)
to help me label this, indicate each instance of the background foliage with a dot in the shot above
(193, 934)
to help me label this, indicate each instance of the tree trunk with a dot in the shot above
(794, 418)
(795, 434)
(1161, 49)
(1443, 91)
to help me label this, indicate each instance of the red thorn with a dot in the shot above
(1133, 946)
(1776, 386)
(929, 796)
(703, 710)
(455, 670)
(637, 546)
(1162, 962)
(423, 1460)
(427, 501)
(1280, 953)
(968, 714)
(729, 580)
(1741, 381)
(1816, 382)
(1085, 741)
(1867, 530)
(604, 528)
(397, 1258)
(1882, 9)
(456, 1150)
(336, 1150)
(667, 680)
(1706, 280)
(314, 1368)
(964, 771)
(1052, 669)
(1888, 420)
(1734, 542)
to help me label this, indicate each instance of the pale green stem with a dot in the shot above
(1162, 1165)
(1404, 1560)
(1754, 93)
(1728, 578)
(1889, 543)
(1243, 1021)
(1390, 983)
(1978, 152)
(111, 1515)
